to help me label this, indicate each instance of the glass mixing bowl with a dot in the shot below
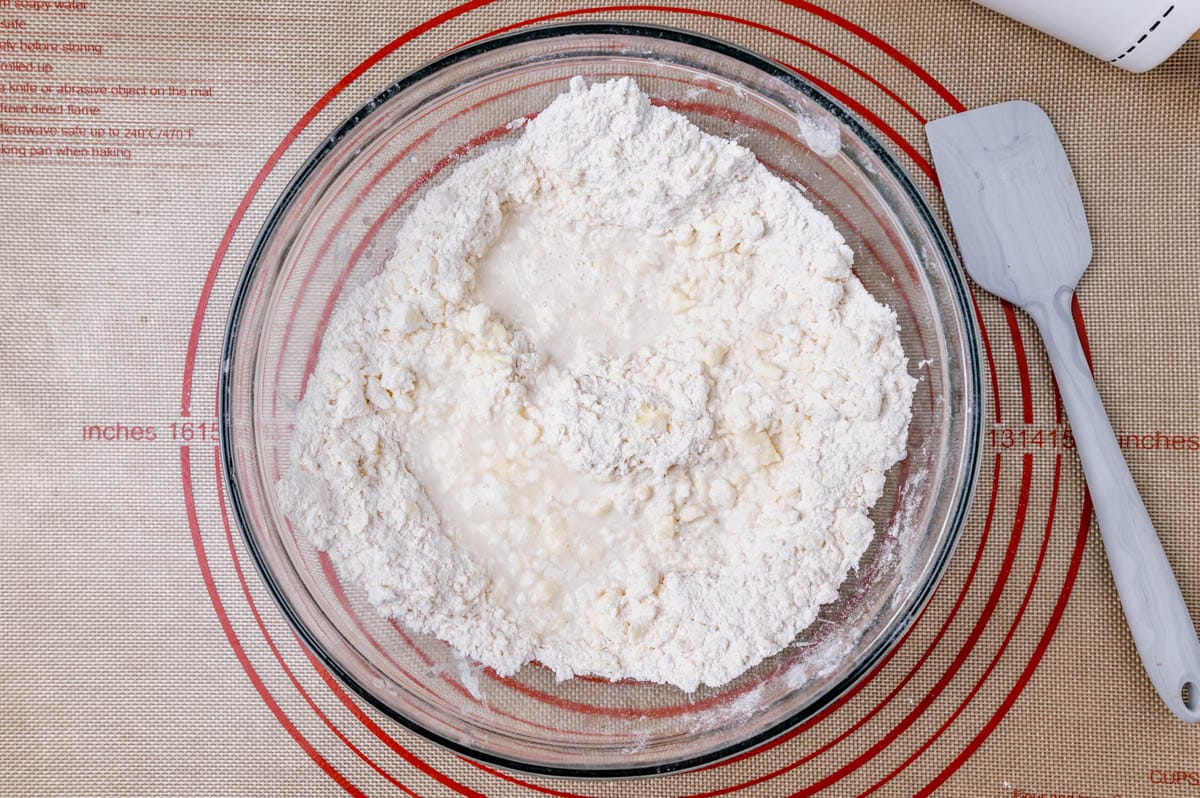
(334, 227)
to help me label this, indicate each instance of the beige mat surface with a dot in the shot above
(135, 661)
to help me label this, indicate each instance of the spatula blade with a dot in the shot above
(1013, 200)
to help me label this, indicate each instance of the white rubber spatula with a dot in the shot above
(1019, 220)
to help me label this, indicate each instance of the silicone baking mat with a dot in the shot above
(141, 146)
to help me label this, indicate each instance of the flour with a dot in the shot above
(616, 405)
(614, 416)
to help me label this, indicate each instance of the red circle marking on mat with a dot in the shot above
(820, 12)
(864, 109)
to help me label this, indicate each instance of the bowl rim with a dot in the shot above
(972, 376)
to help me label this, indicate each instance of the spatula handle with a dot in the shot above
(1154, 606)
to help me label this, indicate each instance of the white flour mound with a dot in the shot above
(616, 405)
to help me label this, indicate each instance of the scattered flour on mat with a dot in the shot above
(616, 405)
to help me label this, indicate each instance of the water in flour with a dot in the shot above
(616, 405)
